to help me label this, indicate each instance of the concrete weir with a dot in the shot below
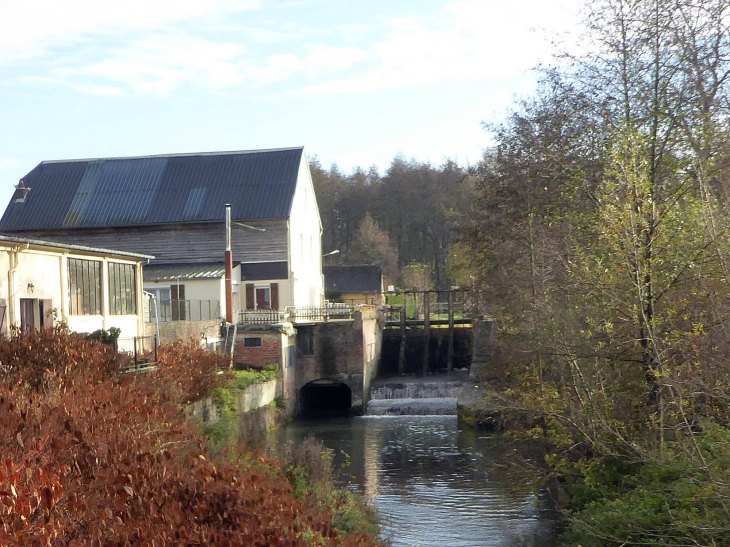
(434, 395)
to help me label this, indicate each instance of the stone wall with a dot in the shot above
(345, 351)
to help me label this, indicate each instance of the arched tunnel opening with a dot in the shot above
(325, 398)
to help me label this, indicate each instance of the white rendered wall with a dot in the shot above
(43, 275)
(305, 243)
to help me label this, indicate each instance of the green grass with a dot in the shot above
(245, 378)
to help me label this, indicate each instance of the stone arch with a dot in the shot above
(325, 396)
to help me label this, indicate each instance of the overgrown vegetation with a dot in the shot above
(93, 457)
(599, 240)
(224, 430)
(310, 468)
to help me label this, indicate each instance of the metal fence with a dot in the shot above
(302, 314)
(184, 310)
(434, 304)
(263, 316)
(138, 354)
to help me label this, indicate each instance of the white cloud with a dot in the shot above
(88, 89)
(32, 28)
(155, 47)
(470, 40)
(161, 63)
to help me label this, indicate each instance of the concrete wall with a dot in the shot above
(184, 330)
(345, 351)
(484, 346)
(365, 298)
(372, 330)
(253, 409)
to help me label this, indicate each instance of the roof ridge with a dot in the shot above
(179, 155)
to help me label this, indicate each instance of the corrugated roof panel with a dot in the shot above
(170, 272)
(124, 192)
(196, 197)
(258, 271)
(157, 190)
(357, 278)
(52, 190)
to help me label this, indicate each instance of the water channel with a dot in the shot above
(433, 484)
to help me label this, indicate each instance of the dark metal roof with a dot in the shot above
(349, 279)
(114, 192)
(72, 247)
(258, 271)
(193, 270)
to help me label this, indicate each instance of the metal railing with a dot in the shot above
(138, 354)
(432, 304)
(185, 310)
(301, 314)
(262, 316)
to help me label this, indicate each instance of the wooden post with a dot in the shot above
(426, 332)
(450, 355)
(402, 351)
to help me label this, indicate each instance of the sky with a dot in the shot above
(356, 82)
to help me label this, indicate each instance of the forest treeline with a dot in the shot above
(402, 219)
(596, 233)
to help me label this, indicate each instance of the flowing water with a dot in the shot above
(434, 485)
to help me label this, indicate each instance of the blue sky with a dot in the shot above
(355, 82)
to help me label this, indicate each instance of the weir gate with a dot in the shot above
(426, 332)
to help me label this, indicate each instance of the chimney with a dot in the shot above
(229, 267)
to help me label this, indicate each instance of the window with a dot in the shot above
(305, 340)
(252, 342)
(27, 315)
(262, 297)
(84, 281)
(122, 289)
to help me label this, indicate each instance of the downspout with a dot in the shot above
(12, 289)
(229, 267)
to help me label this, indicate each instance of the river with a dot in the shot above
(433, 484)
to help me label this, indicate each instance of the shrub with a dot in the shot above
(94, 458)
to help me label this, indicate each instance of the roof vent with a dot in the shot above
(21, 192)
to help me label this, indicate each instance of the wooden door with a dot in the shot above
(261, 303)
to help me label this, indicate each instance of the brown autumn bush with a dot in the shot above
(102, 459)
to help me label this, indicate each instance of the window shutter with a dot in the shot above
(46, 317)
(249, 296)
(274, 296)
(177, 305)
(3, 316)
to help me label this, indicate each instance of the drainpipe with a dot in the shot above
(13, 302)
(229, 267)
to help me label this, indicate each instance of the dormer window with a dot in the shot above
(21, 192)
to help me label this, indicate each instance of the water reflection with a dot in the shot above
(432, 484)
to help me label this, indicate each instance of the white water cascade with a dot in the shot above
(414, 397)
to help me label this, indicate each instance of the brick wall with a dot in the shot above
(268, 353)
